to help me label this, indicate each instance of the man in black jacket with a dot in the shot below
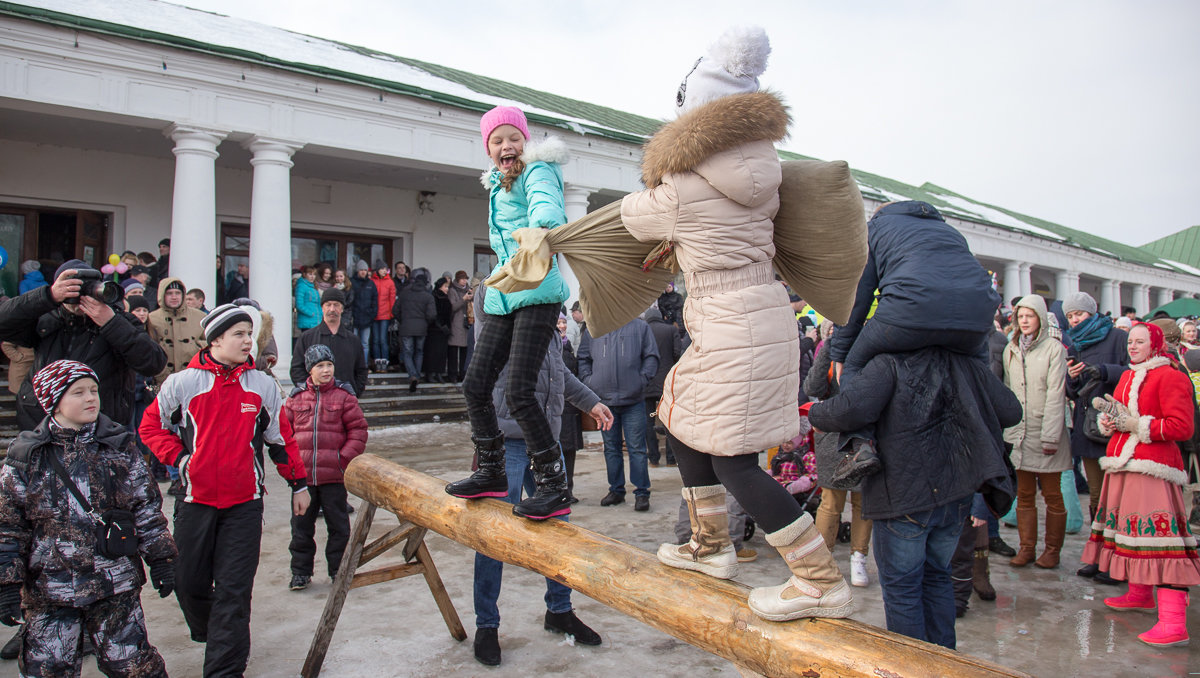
(670, 347)
(57, 323)
(349, 363)
(938, 418)
(414, 309)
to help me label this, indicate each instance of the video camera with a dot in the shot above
(97, 287)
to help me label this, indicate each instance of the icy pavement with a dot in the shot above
(1047, 623)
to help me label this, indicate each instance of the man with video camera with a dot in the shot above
(81, 317)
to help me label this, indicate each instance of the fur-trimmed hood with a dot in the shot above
(719, 125)
(550, 149)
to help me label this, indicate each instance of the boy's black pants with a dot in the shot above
(218, 546)
(330, 500)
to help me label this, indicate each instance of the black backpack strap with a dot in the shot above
(70, 484)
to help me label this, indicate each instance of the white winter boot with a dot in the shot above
(710, 549)
(816, 587)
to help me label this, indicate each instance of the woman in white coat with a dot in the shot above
(1035, 369)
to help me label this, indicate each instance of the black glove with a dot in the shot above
(10, 604)
(162, 577)
(1090, 372)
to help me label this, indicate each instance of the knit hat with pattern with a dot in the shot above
(52, 381)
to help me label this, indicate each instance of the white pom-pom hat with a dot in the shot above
(732, 66)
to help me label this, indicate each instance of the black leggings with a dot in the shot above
(767, 502)
(519, 340)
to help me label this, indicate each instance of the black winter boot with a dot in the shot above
(490, 480)
(552, 498)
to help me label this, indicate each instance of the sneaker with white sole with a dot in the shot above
(858, 569)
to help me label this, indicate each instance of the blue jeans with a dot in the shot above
(364, 335)
(913, 554)
(413, 349)
(629, 422)
(488, 571)
(379, 343)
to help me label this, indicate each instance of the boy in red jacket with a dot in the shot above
(211, 421)
(330, 430)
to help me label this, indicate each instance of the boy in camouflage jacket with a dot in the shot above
(48, 549)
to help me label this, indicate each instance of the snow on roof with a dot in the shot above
(277, 43)
(995, 216)
(1183, 267)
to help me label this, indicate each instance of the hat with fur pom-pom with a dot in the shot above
(732, 66)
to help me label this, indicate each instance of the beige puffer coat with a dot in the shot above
(177, 330)
(1039, 380)
(713, 177)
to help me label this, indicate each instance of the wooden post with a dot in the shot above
(706, 612)
(348, 577)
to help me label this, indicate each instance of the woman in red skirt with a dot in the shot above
(1140, 533)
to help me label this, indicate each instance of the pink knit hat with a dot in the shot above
(502, 115)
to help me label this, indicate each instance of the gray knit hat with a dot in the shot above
(1079, 301)
(317, 353)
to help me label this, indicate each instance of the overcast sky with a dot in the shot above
(1081, 112)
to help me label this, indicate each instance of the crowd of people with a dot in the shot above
(936, 412)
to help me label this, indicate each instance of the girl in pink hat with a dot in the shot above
(525, 189)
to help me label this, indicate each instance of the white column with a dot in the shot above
(1065, 282)
(576, 198)
(1141, 299)
(271, 239)
(1026, 279)
(1116, 297)
(1012, 281)
(194, 207)
(1165, 296)
(1106, 297)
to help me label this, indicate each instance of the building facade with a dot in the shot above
(135, 120)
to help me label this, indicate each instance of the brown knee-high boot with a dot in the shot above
(1027, 530)
(981, 580)
(1056, 530)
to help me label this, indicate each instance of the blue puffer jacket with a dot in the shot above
(618, 365)
(308, 305)
(536, 199)
(925, 273)
(32, 281)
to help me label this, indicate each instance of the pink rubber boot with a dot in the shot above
(1139, 597)
(1171, 628)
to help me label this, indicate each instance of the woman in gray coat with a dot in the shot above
(1035, 370)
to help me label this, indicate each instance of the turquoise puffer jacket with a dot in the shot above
(536, 199)
(308, 305)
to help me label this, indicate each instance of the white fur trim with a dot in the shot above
(703, 491)
(791, 533)
(1135, 386)
(1143, 428)
(1157, 470)
(550, 149)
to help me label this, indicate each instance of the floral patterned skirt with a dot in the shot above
(1141, 533)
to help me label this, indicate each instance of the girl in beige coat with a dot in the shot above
(712, 180)
(1035, 369)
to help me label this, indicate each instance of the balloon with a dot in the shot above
(3, 257)
(122, 267)
(114, 259)
(107, 268)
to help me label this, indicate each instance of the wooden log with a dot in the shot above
(386, 573)
(706, 612)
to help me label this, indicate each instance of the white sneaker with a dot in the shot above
(858, 569)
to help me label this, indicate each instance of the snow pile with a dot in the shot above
(995, 216)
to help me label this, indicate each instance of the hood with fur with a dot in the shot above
(550, 149)
(719, 125)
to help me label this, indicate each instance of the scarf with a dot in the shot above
(1089, 332)
(1024, 342)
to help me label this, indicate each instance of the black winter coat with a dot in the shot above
(349, 365)
(938, 420)
(414, 308)
(570, 435)
(670, 347)
(925, 273)
(365, 304)
(115, 351)
(1111, 356)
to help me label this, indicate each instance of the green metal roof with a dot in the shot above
(1183, 246)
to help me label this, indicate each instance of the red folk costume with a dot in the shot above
(1140, 532)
